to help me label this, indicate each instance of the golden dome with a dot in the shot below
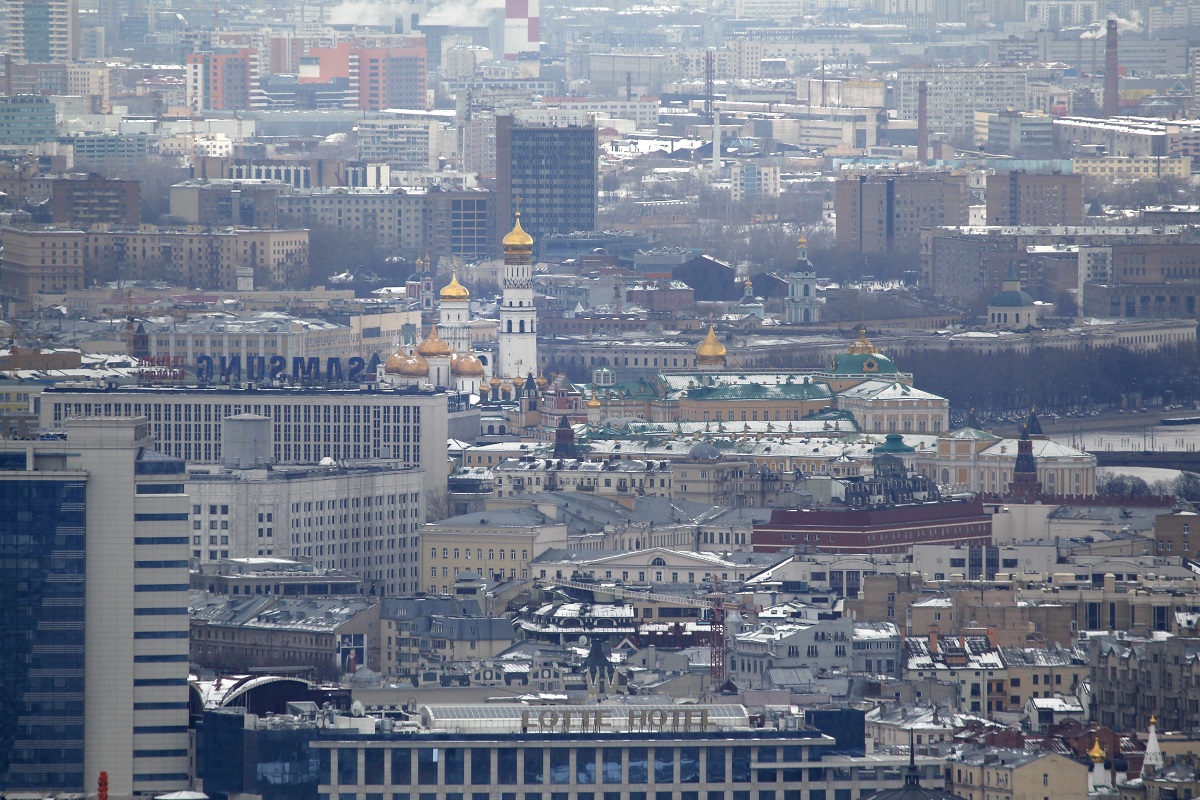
(411, 366)
(454, 290)
(802, 241)
(542, 381)
(1153, 721)
(469, 366)
(862, 345)
(710, 352)
(494, 383)
(433, 345)
(595, 401)
(392, 365)
(1097, 752)
(517, 239)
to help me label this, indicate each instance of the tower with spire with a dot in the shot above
(518, 316)
(1153, 760)
(802, 304)
(454, 316)
(1025, 486)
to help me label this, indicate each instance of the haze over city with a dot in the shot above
(523, 400)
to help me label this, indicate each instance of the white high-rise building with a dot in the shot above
(94, 587)
(518, 315)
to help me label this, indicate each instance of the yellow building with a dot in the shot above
(1001, 774)
(497, 544)
(1134, 168)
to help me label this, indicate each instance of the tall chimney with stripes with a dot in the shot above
(1112, 96)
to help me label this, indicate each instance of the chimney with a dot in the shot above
(933, 642)
(922, 122)
(1112, 98)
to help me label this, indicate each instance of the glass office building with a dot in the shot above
(41, 631)
(517, 752)
(94, 630)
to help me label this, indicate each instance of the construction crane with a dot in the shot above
(714, 604)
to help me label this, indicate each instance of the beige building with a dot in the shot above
(1173, 534)
(269, 334)
(53, 260)
(1000, 774)
(615, 477)
(41, 262)
(497, 544)
(982, 462)
(1043, 673)
(885, 406)
(1134, 168)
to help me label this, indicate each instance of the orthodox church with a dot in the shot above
(445, 359)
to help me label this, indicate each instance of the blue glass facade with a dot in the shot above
(318, 763)
(41, 634)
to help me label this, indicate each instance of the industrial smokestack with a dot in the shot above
(922, 122)
(1112, 97)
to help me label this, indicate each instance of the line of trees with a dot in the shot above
(1057, 380)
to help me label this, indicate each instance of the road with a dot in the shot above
(1106, 421)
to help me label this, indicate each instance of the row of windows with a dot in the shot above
(761, 794)
(433, 553)
(578, 765)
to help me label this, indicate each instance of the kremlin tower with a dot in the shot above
(518, 316)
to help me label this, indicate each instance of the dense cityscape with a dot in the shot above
(819, 383)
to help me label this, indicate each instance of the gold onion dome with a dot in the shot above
(454, 290)
(861, 346)
(392, 365)
(469, 366)
(594, 402)
(517, 238)
(710, 351)
(433, 345)
(413, 366)
(494, 383)
(542, 381)
(1097, 752)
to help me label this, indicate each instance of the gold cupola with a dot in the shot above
(433, 346)
(410, 366)
(392, 365)
(861, 346)
(469, 366)
(517, 240)
(710, 352)
(454, 290)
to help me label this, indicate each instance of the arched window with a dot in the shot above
(509, 326)
(433, 552)
(512, 554)
(658, 562)
(456, 553)
(807, 290)
(501, 555)
(521, 326)
(479, 553)
(524, 555)
(491, 554)
(445, 552)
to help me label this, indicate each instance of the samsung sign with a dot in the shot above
(267, 369)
